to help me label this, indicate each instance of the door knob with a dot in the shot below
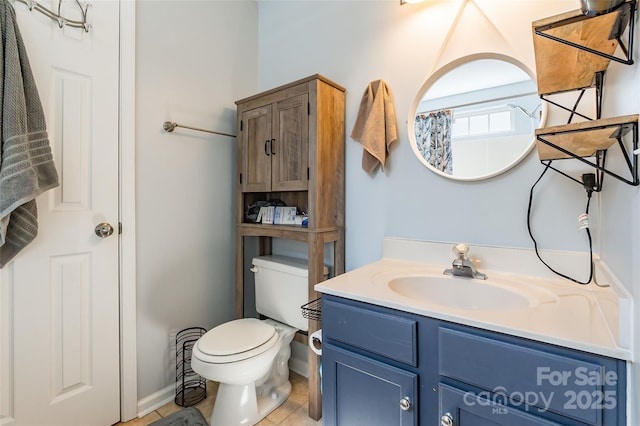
(104, 229)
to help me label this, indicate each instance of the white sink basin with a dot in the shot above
(460, 293)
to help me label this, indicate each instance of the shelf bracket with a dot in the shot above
(547, 163)
(597, 85)
(631, 159)
(626, 17)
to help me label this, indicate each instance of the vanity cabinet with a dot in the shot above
(368, 392)
(464, 409)
(291, 147)
(378, 383)
(373, 356)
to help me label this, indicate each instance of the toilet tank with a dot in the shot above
(281, 288)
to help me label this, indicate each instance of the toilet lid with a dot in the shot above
(235, 337)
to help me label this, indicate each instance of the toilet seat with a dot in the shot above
(235, 341)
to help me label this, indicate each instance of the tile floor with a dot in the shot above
(293, 412)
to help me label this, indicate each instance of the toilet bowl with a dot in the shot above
(249, 358)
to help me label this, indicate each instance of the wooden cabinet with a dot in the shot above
(373, 356)
(275, 146)
(291, 146)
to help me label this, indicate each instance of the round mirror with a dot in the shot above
(475, 117)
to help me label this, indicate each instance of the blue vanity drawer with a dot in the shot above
(575, 388)
(391, 336)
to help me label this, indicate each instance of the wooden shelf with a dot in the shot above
(291, 146)
(582, 139)
(571, 48)
(591, 139)
(290, 232)
(573, 52)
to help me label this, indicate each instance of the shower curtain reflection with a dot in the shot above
(433, 137)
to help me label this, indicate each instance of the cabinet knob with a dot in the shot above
(447, 420)
(405, 404)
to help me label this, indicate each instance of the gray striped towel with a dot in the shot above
(26, 162)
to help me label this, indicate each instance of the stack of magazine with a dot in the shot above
(275, 215)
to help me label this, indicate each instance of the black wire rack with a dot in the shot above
(190, 387)
(312, 310)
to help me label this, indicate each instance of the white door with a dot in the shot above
(59, 353)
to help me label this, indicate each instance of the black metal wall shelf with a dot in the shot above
(573, 52)
(597, 84)
(591, 139)
(586, 32)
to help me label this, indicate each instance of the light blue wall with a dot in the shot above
(355, 42)
(193, 60)
(620, 203)
(620, 206)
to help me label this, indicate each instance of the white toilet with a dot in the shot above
(249, 357)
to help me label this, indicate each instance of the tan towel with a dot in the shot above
(26, 162)
(375, 126)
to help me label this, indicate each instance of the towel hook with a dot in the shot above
(57, 17)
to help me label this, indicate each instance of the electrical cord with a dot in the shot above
(535, 243)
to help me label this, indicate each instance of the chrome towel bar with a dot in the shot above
(169, 126)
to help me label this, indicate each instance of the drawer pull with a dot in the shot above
(447, 420)
(405, 404)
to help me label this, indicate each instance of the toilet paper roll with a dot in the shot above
(315, 342)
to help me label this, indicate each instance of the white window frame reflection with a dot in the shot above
(483, 123)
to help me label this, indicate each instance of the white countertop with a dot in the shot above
(582, 317)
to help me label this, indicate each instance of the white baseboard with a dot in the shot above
(299, 366)
(156, 400)
(165, 395)
(299, 360)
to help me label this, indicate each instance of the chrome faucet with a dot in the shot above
(462, 266)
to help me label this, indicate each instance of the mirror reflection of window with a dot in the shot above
(460, 127)
(495, 111)
(479, 124)
(495, 122)
(500, 122)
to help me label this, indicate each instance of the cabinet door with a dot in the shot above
(256, 152)
(290, 145)
(361, 391)
(470, 409)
